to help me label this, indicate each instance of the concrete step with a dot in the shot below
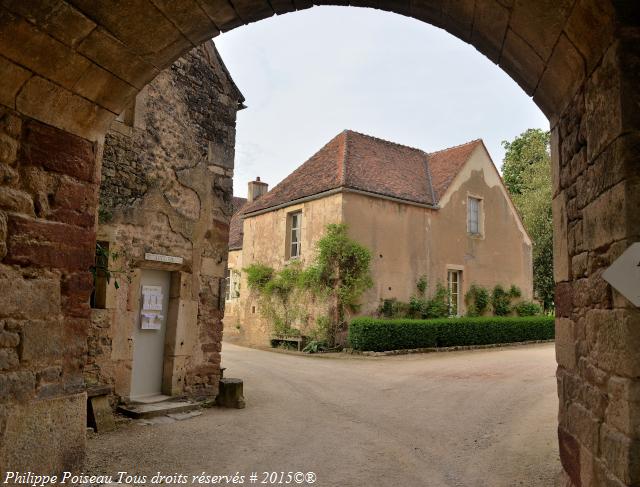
(145, 411)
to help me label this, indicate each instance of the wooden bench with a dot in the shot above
(299, 341)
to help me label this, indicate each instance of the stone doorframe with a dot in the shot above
(579, 59)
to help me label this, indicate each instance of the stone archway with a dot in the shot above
(69, 66)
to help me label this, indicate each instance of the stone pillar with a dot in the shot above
(597, 216)
(47, 244)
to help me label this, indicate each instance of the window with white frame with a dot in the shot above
(454, 286)
(295, 234)
(474, 213)
(227, 284)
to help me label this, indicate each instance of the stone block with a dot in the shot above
(57, 426)
(49, 244)
(54, 105)
(107, 90)
(603, 114)
(566, 343)
(110, 53)
(621, 455)
(590, 29)
(28, 45)
(42, 341)
(613, 338)
(56, 17)
(29, 298)
(579, 264)
(100, 414)
(212, 267)
(605, 218)
(230, 393)
(8, 149)
(570, 455)
(76, 289)
(13, 78)
(3, 235)
(8, 359)
(623, 411)
(146, 31)
(59, 151)
(9, 339)
(489, 26)
(521, 62)
(190, 19)
(18, 385)
(15, 200)
(540, 23)
(561, 261)
(563, 75)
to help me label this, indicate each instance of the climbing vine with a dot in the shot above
(339, 274)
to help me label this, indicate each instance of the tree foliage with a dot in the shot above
(527, 175)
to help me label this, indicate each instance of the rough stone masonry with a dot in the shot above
(166, 189)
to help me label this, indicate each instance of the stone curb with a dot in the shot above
(442, 349)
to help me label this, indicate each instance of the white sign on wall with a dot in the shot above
(170, 259)
(152, 298)
(151, 321)
(624, 274)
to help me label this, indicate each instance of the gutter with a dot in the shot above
(336, 191)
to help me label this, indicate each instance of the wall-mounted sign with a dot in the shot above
(171, 259)
(624, 274)
(152, 298)
(151, 321)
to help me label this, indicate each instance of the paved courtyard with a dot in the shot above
(473, 418)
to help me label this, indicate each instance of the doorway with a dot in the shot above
(149, 334)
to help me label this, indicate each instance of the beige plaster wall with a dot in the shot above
(265, 242)
(502, 255)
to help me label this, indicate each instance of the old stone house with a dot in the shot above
(445, 215)
(165, 204)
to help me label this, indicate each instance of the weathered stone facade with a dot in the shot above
(166, 189)
(57, 106)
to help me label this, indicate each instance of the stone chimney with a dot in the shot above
(256, 189)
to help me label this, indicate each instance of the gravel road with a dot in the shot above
(472, 418)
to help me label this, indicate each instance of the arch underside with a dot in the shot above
(85, 60)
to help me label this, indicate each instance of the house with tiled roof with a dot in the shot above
(445, 215)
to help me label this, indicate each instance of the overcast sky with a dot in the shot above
(308, 75)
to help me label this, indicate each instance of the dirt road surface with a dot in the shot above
(472, 418)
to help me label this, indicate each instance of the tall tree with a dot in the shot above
(526, 170)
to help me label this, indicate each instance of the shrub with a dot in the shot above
(381, 335)
(477, 300)
(528, 308)
(500, 301)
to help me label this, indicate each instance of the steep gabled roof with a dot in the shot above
(446, 164)
(235, 225)
(356, 161)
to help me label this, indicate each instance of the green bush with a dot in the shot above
(380, 335)
(500, 301)
(477, 300)
(528, 308)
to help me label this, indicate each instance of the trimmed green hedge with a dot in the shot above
(379, 335)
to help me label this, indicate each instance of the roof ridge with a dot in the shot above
(390, 142)
(427, 167)
(455, 146)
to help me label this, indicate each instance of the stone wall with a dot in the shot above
(597, 195)
(47, 212)
(166, 189)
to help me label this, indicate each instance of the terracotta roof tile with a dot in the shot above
(357, 161)
(235, 225)
(444, 165)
